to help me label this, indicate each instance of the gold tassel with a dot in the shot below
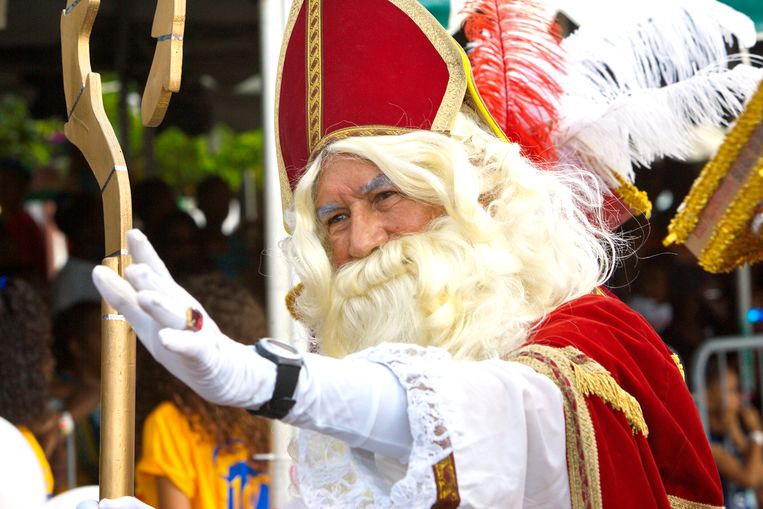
(634, 198)
(291, 300)
(593, 380)
(680, 366)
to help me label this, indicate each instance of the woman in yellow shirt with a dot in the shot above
(195, 454)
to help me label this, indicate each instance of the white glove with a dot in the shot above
(359, 402)
(116, 503)
(219, 369)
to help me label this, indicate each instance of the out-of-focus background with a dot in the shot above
(199, 182)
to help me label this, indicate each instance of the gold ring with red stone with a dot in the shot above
(194, 320)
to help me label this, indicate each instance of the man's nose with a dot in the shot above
(367, 233)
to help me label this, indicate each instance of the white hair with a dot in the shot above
(515, 242)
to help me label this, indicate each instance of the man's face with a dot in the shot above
(362, 209)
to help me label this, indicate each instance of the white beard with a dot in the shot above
(387, 312)
(432, 289)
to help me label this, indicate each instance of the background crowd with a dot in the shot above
(50, 335)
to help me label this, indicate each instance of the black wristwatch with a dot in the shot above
(288, 363)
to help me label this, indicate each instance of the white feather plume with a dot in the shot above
(640, 81)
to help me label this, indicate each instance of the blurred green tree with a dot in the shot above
(29, 140)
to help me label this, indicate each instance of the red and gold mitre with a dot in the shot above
(370, 67)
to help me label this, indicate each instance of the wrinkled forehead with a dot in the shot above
(336, 167)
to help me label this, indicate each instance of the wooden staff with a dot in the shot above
(166, 68)
(89, 129)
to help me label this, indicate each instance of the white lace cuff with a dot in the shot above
(332, 474)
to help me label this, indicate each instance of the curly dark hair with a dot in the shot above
(71, 324)
(240, 317)
(25, 345)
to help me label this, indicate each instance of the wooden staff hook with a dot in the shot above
(166, 68)
(89, 129)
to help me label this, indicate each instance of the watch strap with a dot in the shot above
(283, 400)
(287, 377)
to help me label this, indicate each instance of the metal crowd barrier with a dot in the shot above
(750, 352)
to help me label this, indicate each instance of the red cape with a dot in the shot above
(647, 452)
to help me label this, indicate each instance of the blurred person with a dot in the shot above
(153, 200)
(651, 295)
(26, 365)
(702, 305)
(22, 246)
(227, 251)
(736, 440)
(77, 385)
(80, 218)
(195, 454)
(22, 484)
(178, 239)
(29, 431)
(213, 197)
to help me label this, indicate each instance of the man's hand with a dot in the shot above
(217, 368)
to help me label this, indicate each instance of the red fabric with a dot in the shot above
(28, 242)
(378, 69)
(615, 211)
(675, 459)
(390, 75)
(292, 118)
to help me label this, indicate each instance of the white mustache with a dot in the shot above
(387, 262)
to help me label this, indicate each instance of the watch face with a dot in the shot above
(281, 349)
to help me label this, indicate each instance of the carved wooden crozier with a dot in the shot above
(89, 129)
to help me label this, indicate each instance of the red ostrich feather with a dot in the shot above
(515, 56)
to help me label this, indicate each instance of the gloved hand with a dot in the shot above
(116, 503)
(219, 369)
(361, 403)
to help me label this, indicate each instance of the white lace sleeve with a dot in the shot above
(496, 428)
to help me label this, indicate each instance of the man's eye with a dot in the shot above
(335, 219)
(383, 195)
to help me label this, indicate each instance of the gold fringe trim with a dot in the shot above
(593, 380)
(680, 366)
(346, 132)
(291, 300)
(682, 503)
(582, 455)
(731, 243)
(633, 197)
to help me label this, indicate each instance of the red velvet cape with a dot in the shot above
(668, 465)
